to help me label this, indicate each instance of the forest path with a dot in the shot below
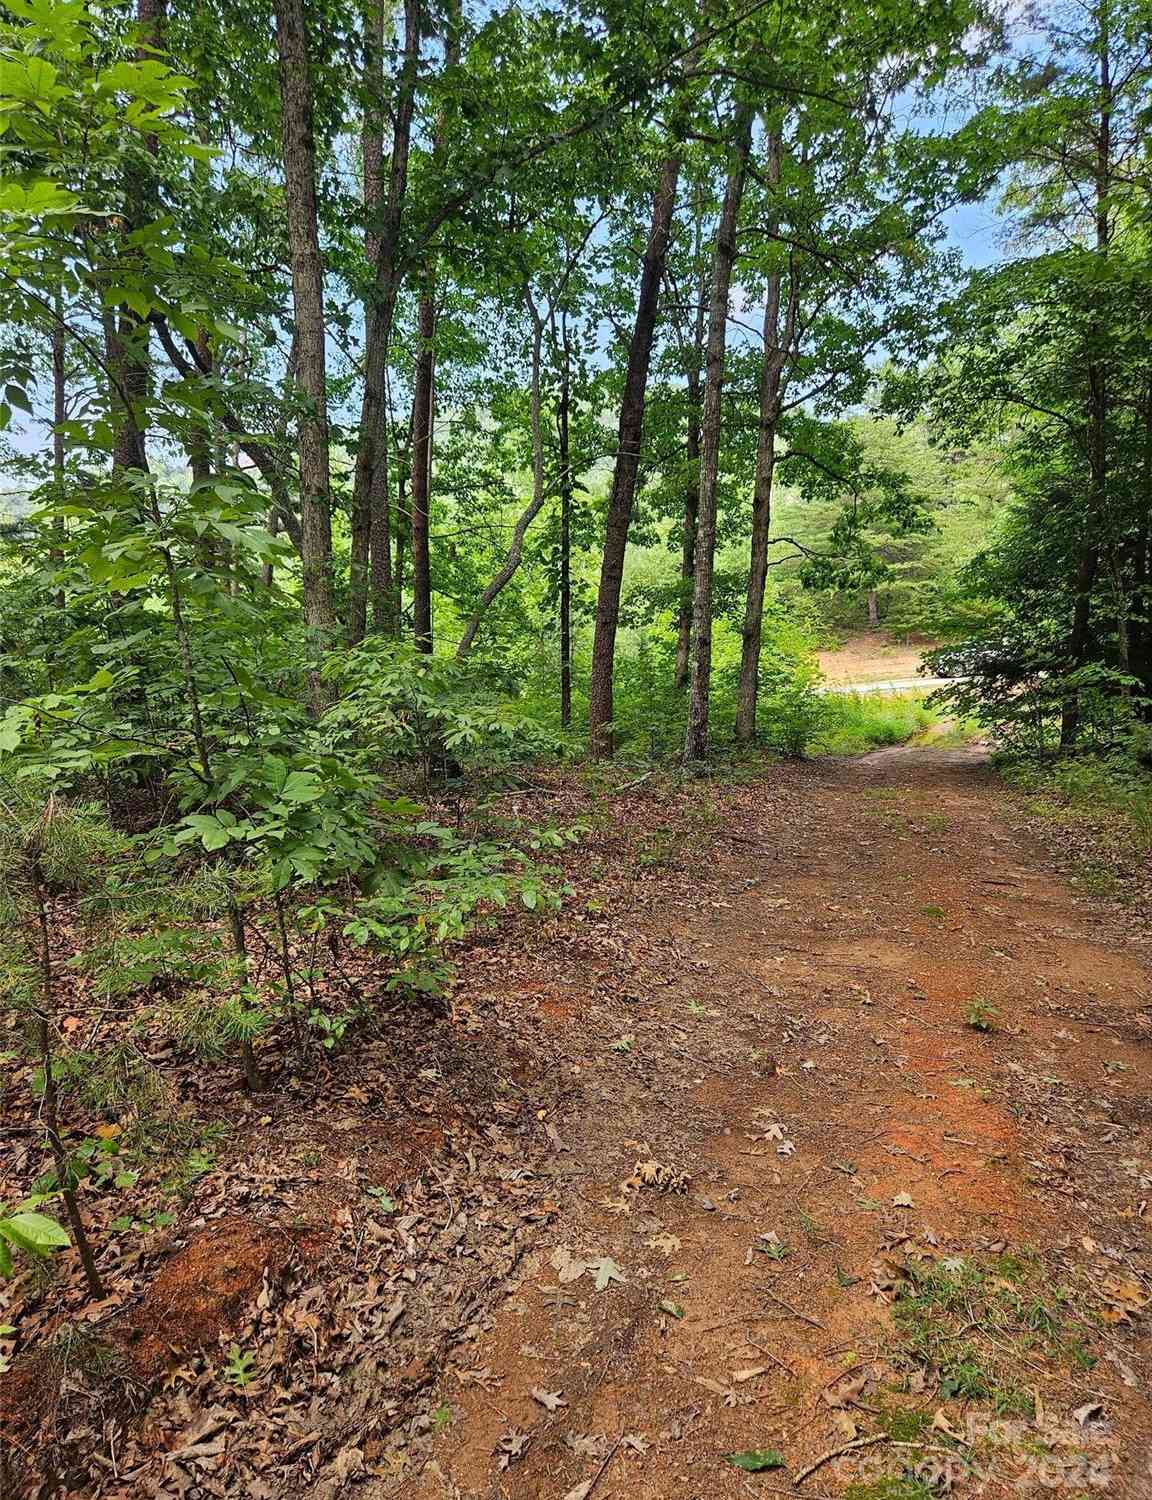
(801, 1049)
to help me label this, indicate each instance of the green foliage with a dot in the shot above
(854, 722)
(403, 704)
(239, 1369)
(31, 1233)
(981, 1016)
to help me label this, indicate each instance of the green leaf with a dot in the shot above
(36, 1233)
(301, 786)
(756, 1460)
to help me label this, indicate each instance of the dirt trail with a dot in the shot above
(801, 1050)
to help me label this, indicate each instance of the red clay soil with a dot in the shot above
(802, 1050)
(200, 1294)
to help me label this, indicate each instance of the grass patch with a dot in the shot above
(857, 722)
(964, 1320)
(892, 1488)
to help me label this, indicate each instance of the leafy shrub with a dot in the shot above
(403, 704)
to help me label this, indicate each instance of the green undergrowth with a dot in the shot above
(858, 722)
(1111, 794)
(973, 1324)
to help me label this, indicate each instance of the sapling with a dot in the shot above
(36, 844)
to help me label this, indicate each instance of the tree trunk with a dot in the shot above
(372, 169)
(1098, 410)
(629, 439)
(423, 409)
(308, 314)
(700, 688)
(403, 530)
(49, 1105)
(692, 455)
(777, 346)
(273, 524)
(59, 417)
(873, 610)
(565, 581)
(126, 332)
(371, 544)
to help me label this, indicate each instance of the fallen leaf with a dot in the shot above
(740, 1376)
(843, 1392)
(673, 1309)
(712, 1385)
(549, 1400)
(844, 1425)
(1088, 1412)
(511, 1447)
(604, 1270)
(566, 1265)
(903, 1200)
(756, 1460)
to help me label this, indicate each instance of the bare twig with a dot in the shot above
(818, 1463)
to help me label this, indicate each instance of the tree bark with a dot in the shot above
(372, 169)
(564, 455)
(126, 332)
(308, 313)
(423, 409)
(629, 439)
(1098, 406)
(692, 480)
(371, 522)
(777, 346)
(724, 257)
(49, 1103)
(59, 417)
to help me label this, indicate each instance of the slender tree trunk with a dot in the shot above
(372, 169)
(700, 686)
(629, 439)
(371, 522)
(308, 313)
(199, 442)
(1080, 634)
(565, 580)
(873, 602)
(424, 399)
(777, 346)
(273, 524)
(403, 530)
(515, 551)
(128, 347)
(692, 455)
(423, 408)
(59, 417)
(49, 1101)
(1140, 632)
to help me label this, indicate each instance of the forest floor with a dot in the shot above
(818, 1119)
